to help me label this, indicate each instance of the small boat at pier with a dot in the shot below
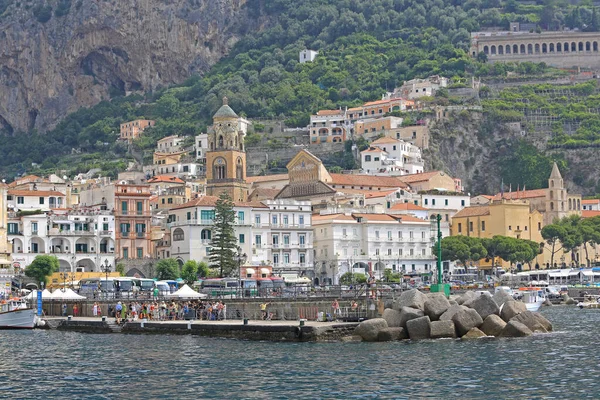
(16, 314)
(533, 297)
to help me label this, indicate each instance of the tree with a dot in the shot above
(350, 278)
(573, 238)
(391, 276)
(463, 248)
(120, 268)
(203, 269)
(590, 233)
(553, 234)
(42, 267)
(167, 269)
(224, 243)
(189, 271)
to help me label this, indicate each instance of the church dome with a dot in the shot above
(225, 111)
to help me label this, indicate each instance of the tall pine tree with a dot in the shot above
(224, 242)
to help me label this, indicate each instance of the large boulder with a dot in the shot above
(570, 301)
(492, 325)
(389, 303)
(408, 313)
(466, 297)
(534, 321)
(369, 329)
(392, 317)
(447, 316)
(411, 298)
(512, 308)
(515, 329)
(442, 329)
(465, 320)
(484, 305)
(473, 333)
(436, 305)
(351, 339)
(501, 297)
(419, 328)
(391, 334)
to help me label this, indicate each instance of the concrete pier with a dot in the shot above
(286, 331)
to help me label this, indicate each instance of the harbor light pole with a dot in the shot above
(241, 259)
(106, 269)
(439, 287)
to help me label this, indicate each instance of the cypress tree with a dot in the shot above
(223, 243)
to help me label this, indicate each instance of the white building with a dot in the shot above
(43, 200)
(388, 156)
(82, 240)
(307, 56)
(170, 144)
(590, 205)
(416, 88)
(445, 204)
(274, 232)
(370, 244)
(200, 148)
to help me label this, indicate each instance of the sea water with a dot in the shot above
(53, 364)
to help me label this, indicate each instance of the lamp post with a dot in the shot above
(562, 261)
(439, 287)
(64, 276)
(241, 259)
(106, 267)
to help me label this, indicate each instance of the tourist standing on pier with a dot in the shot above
(118, 309)
(95, 310)
(336, 308)
(64, 309)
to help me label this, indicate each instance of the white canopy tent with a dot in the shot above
(186, 292)
(68, 294)
(46, 295)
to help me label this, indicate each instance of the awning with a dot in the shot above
(264, 271)
(250, 271)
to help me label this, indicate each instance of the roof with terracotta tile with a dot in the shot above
(522, 194)
(265, 192)
(410, 218)
(475, 211)
(166, 179)
(329, 112)
(407, 206)
(36, 193)
(267, 178)
(332, 217)
(590, 213)
(590, 201)
(424, 176)
(367, 180)
(373, 150)
(386, 140)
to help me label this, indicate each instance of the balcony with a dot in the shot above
(34, 233)
(106, 233)
(141, 235)
(286, 245)
(124, 234)
(302, 245)
(275, 245)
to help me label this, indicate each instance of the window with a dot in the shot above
(275, 240)
(140, 207)
(13, 228)
(355, 252)
(302, 258)
(539, 226)
(276, 259)
(205, 234)
(178, 234)
(240, 216)
(140, 252)
(389, 235)
(354, 232)
(207, 216)
(242, 239)
(426, 201)
(399, 234)
(301, 219)
(41, 200)
(140, 228)
(459, 228)
(257, 219)
(471, 226)
(423, 252)
(105, 227)
(400, 252)
(258, 241)
(412, 252)
(462, 203)
(286, 239)
(367, 158)
(483, 225)
(169, 200)
(376, 252)
(389, 252)
(525, 228)
(510, 228)
(410, 234)
(189, 215)
(125, 252)
(302, 239)
(274, 219)
(124, 207)
(433, 202)
(20, 200)
(125, 228)
(285, 219)
(376, 234)
(344, 234)
(286, 258)
(445, 202)
(163, 200)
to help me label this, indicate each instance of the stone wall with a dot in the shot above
(258, 158)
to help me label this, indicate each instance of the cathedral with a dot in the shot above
(226, 156)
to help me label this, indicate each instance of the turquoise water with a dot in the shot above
(52, 364)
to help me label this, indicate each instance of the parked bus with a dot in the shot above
(146, 285)
(222, 287)
(278, 285)
(265, 287)
(249, 287)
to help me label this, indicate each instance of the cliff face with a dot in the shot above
(49, 69)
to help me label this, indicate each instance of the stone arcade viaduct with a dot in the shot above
(560, 49)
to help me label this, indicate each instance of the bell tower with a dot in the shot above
(556, 198)
(226, 157)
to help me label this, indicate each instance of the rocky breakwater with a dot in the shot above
(416, 316)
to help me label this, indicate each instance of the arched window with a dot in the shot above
(595, 46)
(537, 48)
(588, 46)
(551, 206)
(507, 49)
(570, 205)
(551, 49)
(500, 49)
(579, 204)
(552, 183)
(239, 169)
(219, 169)
(205, 234)
(221, 141)
(551, 195)
(236, 144)
(515, 49)
(529, 48)
(580, 46)
(544, 48)
(522, 51)
(493, 49)
(486, 50)
(566, 47)
(178, 235)
(558, 47)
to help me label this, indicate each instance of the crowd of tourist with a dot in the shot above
(165, 310)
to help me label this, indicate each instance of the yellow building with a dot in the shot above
(511, 218)
(226, 156)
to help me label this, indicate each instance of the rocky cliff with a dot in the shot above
(68, 54)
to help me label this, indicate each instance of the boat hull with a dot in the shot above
(534, 306)
(18, 319)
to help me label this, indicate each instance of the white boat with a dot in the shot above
(533, 297)
(16, 314)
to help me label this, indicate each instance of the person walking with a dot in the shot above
(118, 310)
(336, 308)
(64, 309)
(263, 309)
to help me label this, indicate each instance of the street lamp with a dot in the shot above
(106, 269)
(241, 259)
(64, 276)
(440, 287)
(562, 261)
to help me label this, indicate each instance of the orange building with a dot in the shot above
(133, 129)
(133, 219)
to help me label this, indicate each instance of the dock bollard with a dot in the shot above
(302, 321)
(245, 321)
(189, 325)
(104, 318)
(69, 317)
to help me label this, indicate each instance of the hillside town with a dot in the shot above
(308, 223)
